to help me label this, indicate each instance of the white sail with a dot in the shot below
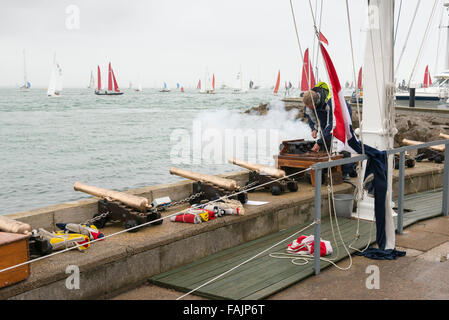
(240, 84)
(58, 88)
(207, 84)
(26, 84)
(51, 90)
(55, 84)
(92, 80)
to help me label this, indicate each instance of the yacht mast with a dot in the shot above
(446, 61)
(378, 97)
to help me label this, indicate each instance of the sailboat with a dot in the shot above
(209, 85)
(111, 81)
(26, 84)
(278, 81)
(428, 92)
(439, 90)
(139, 88)
(164, 88)
(240, 88)
(92, 80)
(55, 84)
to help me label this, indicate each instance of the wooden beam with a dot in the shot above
(440, 148)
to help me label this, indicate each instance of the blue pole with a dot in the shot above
(317, 235)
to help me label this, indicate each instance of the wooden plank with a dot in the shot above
(227, 286)
(246, 257)
(230, 257)
(280, 285)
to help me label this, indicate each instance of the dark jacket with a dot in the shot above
(325, 116)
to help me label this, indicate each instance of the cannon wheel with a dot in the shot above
(155, 216)
(276, 190)
(242, 197)
(131, 223)
(292, 186)
(101, 222)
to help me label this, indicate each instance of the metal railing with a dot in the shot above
(319, 167)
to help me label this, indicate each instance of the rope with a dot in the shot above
(408, 35)
(147, 223)
(397, 22)
(246, 261)
(355, 77)
(423, 40)
(439, 41)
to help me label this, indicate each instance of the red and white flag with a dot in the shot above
(322, 38)
(342, 117)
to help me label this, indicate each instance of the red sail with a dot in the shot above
(110, 78)
(199, 84)
(308, 78)
(427, 79)
(99, 78)
(213, 82)
(276, 88)
(359, 81)
(116, 89)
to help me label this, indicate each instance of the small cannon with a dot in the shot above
(211, 187)
(299, 146)
(267, 177)
(434, 153)
(118, 206)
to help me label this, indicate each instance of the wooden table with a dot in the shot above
(306, 160)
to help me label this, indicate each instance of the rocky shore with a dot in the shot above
(411, 125)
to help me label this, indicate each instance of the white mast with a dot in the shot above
(25, 78)
(446, 62)
(378, 98)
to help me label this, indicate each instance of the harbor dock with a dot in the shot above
(128, 260)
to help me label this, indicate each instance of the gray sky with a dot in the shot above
(175, 40)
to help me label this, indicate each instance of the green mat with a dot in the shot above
(265, 275)
(421, 206)
(262, 276)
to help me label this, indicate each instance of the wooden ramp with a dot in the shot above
(266, 275)
(421, 206)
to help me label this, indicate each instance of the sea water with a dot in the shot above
(128, 141)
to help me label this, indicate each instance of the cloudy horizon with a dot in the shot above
(174, 41)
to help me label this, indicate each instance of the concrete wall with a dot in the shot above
(82, 210)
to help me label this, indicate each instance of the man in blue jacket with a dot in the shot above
(322, 104)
